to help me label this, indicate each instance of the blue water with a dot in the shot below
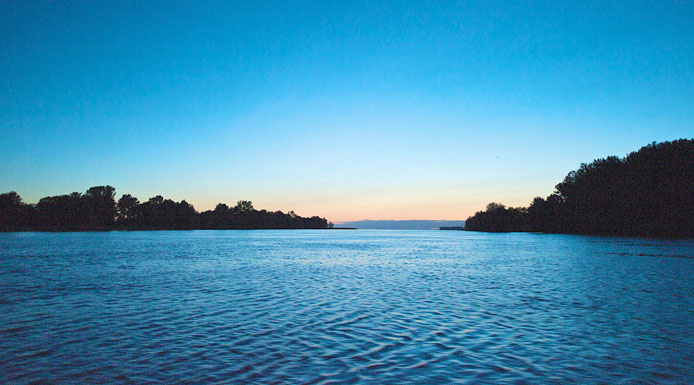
(344, 307)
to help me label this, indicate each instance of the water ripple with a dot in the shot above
(322, 307)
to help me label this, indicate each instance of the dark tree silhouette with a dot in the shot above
(649, 193)
(15, 215)
(126, 207)
(244, 206)
(100, 207)
(98, 210)
(62, 213)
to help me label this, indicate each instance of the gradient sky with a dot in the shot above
(347, 110)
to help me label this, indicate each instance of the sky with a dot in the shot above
(346, 110)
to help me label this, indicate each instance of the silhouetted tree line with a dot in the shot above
(649, 193)
(97, 210)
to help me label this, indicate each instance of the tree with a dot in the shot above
(100, 207)
(126, 207)
(648, 193)
(244, 206)
(14, 214)
(97, 210)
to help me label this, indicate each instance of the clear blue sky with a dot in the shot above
(348, 110)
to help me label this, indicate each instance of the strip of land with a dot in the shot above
(97, 210)
(649, 193)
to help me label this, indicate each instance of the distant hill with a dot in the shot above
(400, 225)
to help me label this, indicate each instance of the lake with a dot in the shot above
(364, 306)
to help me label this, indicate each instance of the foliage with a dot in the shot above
(648, 193)
(97, 210)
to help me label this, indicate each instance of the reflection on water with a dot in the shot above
(344, 306)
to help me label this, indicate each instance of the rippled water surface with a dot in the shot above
(344, 306)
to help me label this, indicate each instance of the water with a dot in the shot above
(343, 307)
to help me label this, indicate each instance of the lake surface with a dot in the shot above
(344, 307)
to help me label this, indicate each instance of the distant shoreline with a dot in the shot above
(401, 224)
(148, 230)
(97, 210)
